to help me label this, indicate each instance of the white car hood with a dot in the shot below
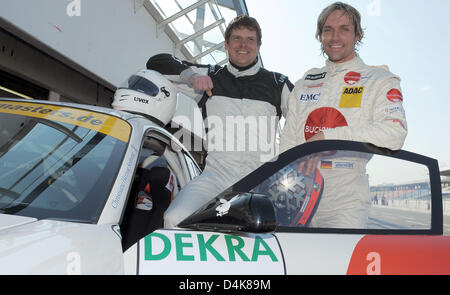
(31, 246)
(8, 221)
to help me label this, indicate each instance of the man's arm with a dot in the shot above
(289, 134)
(167, 64)
(201, 83)
(179, 71)
(285, 93)
(388, 128)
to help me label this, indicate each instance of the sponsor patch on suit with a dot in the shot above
(351, 97)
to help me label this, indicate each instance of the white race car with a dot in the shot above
(83, 190)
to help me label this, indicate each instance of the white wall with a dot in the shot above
(108, 39)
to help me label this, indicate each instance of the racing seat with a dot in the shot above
(158, 183)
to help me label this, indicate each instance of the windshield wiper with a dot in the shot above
(60, 128)
(5, 191)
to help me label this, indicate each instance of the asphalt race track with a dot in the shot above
(384, 217)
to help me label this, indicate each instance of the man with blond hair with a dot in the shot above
(345, 100)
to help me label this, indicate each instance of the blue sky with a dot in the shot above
(410, 36)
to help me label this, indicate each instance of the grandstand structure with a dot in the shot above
(412, 195)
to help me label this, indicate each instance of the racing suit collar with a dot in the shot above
(253, 70)
(336, 67)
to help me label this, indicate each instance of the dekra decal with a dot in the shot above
(184, 249)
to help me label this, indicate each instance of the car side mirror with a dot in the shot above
(234, 212)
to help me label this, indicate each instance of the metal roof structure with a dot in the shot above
(196, 27)
(445, 172)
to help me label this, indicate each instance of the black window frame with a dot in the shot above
(266, 170)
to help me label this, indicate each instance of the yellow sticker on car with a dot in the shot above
(103, 123)
(351, 97)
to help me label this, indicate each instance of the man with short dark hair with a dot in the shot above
(345, 100)
(241, 103)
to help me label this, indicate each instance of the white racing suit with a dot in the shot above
(242, 119)
(346, 101)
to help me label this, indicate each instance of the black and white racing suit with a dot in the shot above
(241, 117)
(346, 101)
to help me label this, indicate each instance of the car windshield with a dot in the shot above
(58, 164)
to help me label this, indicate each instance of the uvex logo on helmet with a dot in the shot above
(394, 95)
(351, 78)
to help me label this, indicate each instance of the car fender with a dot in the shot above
(57, 247)
(405, 255)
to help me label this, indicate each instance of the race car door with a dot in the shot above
(341, 205)
(189, 252)
(164, 167)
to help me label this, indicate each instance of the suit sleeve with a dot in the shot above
(175, 69)
(388, 128)
(290, 131)
(286, 91)
(178, 71)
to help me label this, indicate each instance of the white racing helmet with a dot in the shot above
(149, 93)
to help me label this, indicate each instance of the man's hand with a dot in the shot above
(308, 165)
(202, 83)
(318, 136)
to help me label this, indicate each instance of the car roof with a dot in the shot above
(123, 115)
(133, 119)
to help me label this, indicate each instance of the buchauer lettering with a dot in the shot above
(315, 129)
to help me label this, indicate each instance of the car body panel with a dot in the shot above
(7, 221)
(56, 247)
(340, 254)
(315, 254)
(406, 255)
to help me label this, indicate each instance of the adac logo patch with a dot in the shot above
(351, 97)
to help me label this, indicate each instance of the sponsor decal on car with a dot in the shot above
(186, 252)
(406, 255)
(103, 123)
(225, 205)
(124, 178)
